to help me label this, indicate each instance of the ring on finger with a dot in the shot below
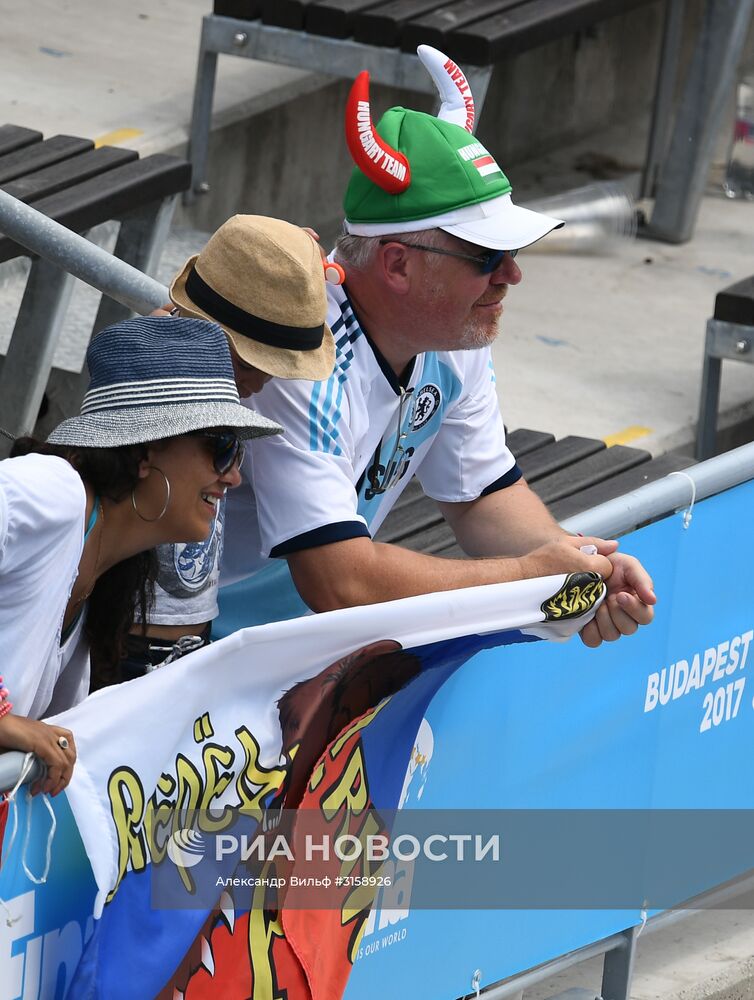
(63, 742)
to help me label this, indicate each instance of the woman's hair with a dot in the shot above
(129, 585)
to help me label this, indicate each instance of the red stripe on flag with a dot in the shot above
(483, 161)
(4, 807)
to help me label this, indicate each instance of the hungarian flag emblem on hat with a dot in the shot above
(480, 158)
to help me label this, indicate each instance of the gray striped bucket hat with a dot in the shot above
(158, 377)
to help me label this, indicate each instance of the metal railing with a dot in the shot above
(78, 256)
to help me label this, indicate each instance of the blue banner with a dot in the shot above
(661, 720)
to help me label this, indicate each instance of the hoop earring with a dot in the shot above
(149, 520)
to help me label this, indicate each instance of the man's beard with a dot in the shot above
(477, 333)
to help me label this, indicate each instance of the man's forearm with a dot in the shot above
(359, 571)
(509, 522)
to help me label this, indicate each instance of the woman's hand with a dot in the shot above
(166, 310)
(30, 735)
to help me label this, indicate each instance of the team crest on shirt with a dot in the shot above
(185, 569)
(426, 403)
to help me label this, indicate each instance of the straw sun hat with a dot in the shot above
(263, 280)
(153, 378)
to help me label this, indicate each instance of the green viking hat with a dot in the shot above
(416, 172)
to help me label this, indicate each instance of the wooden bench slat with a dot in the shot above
(384, 25)
(528, 25)
(435, 27)
(110, 195)
(588, 472)
(611, 488)
(68, 173)
(416, 523)
(522, 441)
(243, 10)
(41, 154)
(552, 457)
(286, 13)
(15, 137)
(335, 18)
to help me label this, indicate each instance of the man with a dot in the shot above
(262, 280)
(429, 257)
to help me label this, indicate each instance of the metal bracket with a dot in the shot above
(618, 968)
(35, 336)
(723, 341)
(338, 57)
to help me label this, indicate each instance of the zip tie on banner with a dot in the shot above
(476, 982)
(643, 915)
(688, 513)
(50, 837)
(26, 767)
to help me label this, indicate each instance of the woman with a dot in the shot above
(156, 445)
(263, 280)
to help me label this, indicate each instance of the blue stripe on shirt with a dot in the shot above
(325, 535)
(511, 476)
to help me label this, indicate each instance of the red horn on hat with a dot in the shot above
(382, 164)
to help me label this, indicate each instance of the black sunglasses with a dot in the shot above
(227, 449)
(487, 261)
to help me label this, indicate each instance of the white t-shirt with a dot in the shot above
(42, 513)
(350, 447)
(185, 591)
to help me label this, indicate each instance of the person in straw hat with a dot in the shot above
(263, 281)
(157, 443)
(429, 253)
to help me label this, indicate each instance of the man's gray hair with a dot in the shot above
(358, 252)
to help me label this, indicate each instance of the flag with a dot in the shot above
(267, 717)
(3, 821)
(486, 165)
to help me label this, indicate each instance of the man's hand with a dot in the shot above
(564, 555)
(629, 602)
(29, 735)
(315, 237)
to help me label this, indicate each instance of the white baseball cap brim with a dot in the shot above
(511, 227)
(496, 224)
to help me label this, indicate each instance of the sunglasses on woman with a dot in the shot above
(227, 449)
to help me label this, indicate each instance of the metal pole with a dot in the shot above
(709, 398)
(665, 495)
(35, 336)
(708, 87)
(11, 765)
(73, 253)
(672, 37)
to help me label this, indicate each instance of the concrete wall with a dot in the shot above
(292, 162)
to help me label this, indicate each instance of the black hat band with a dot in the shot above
(293, 338)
